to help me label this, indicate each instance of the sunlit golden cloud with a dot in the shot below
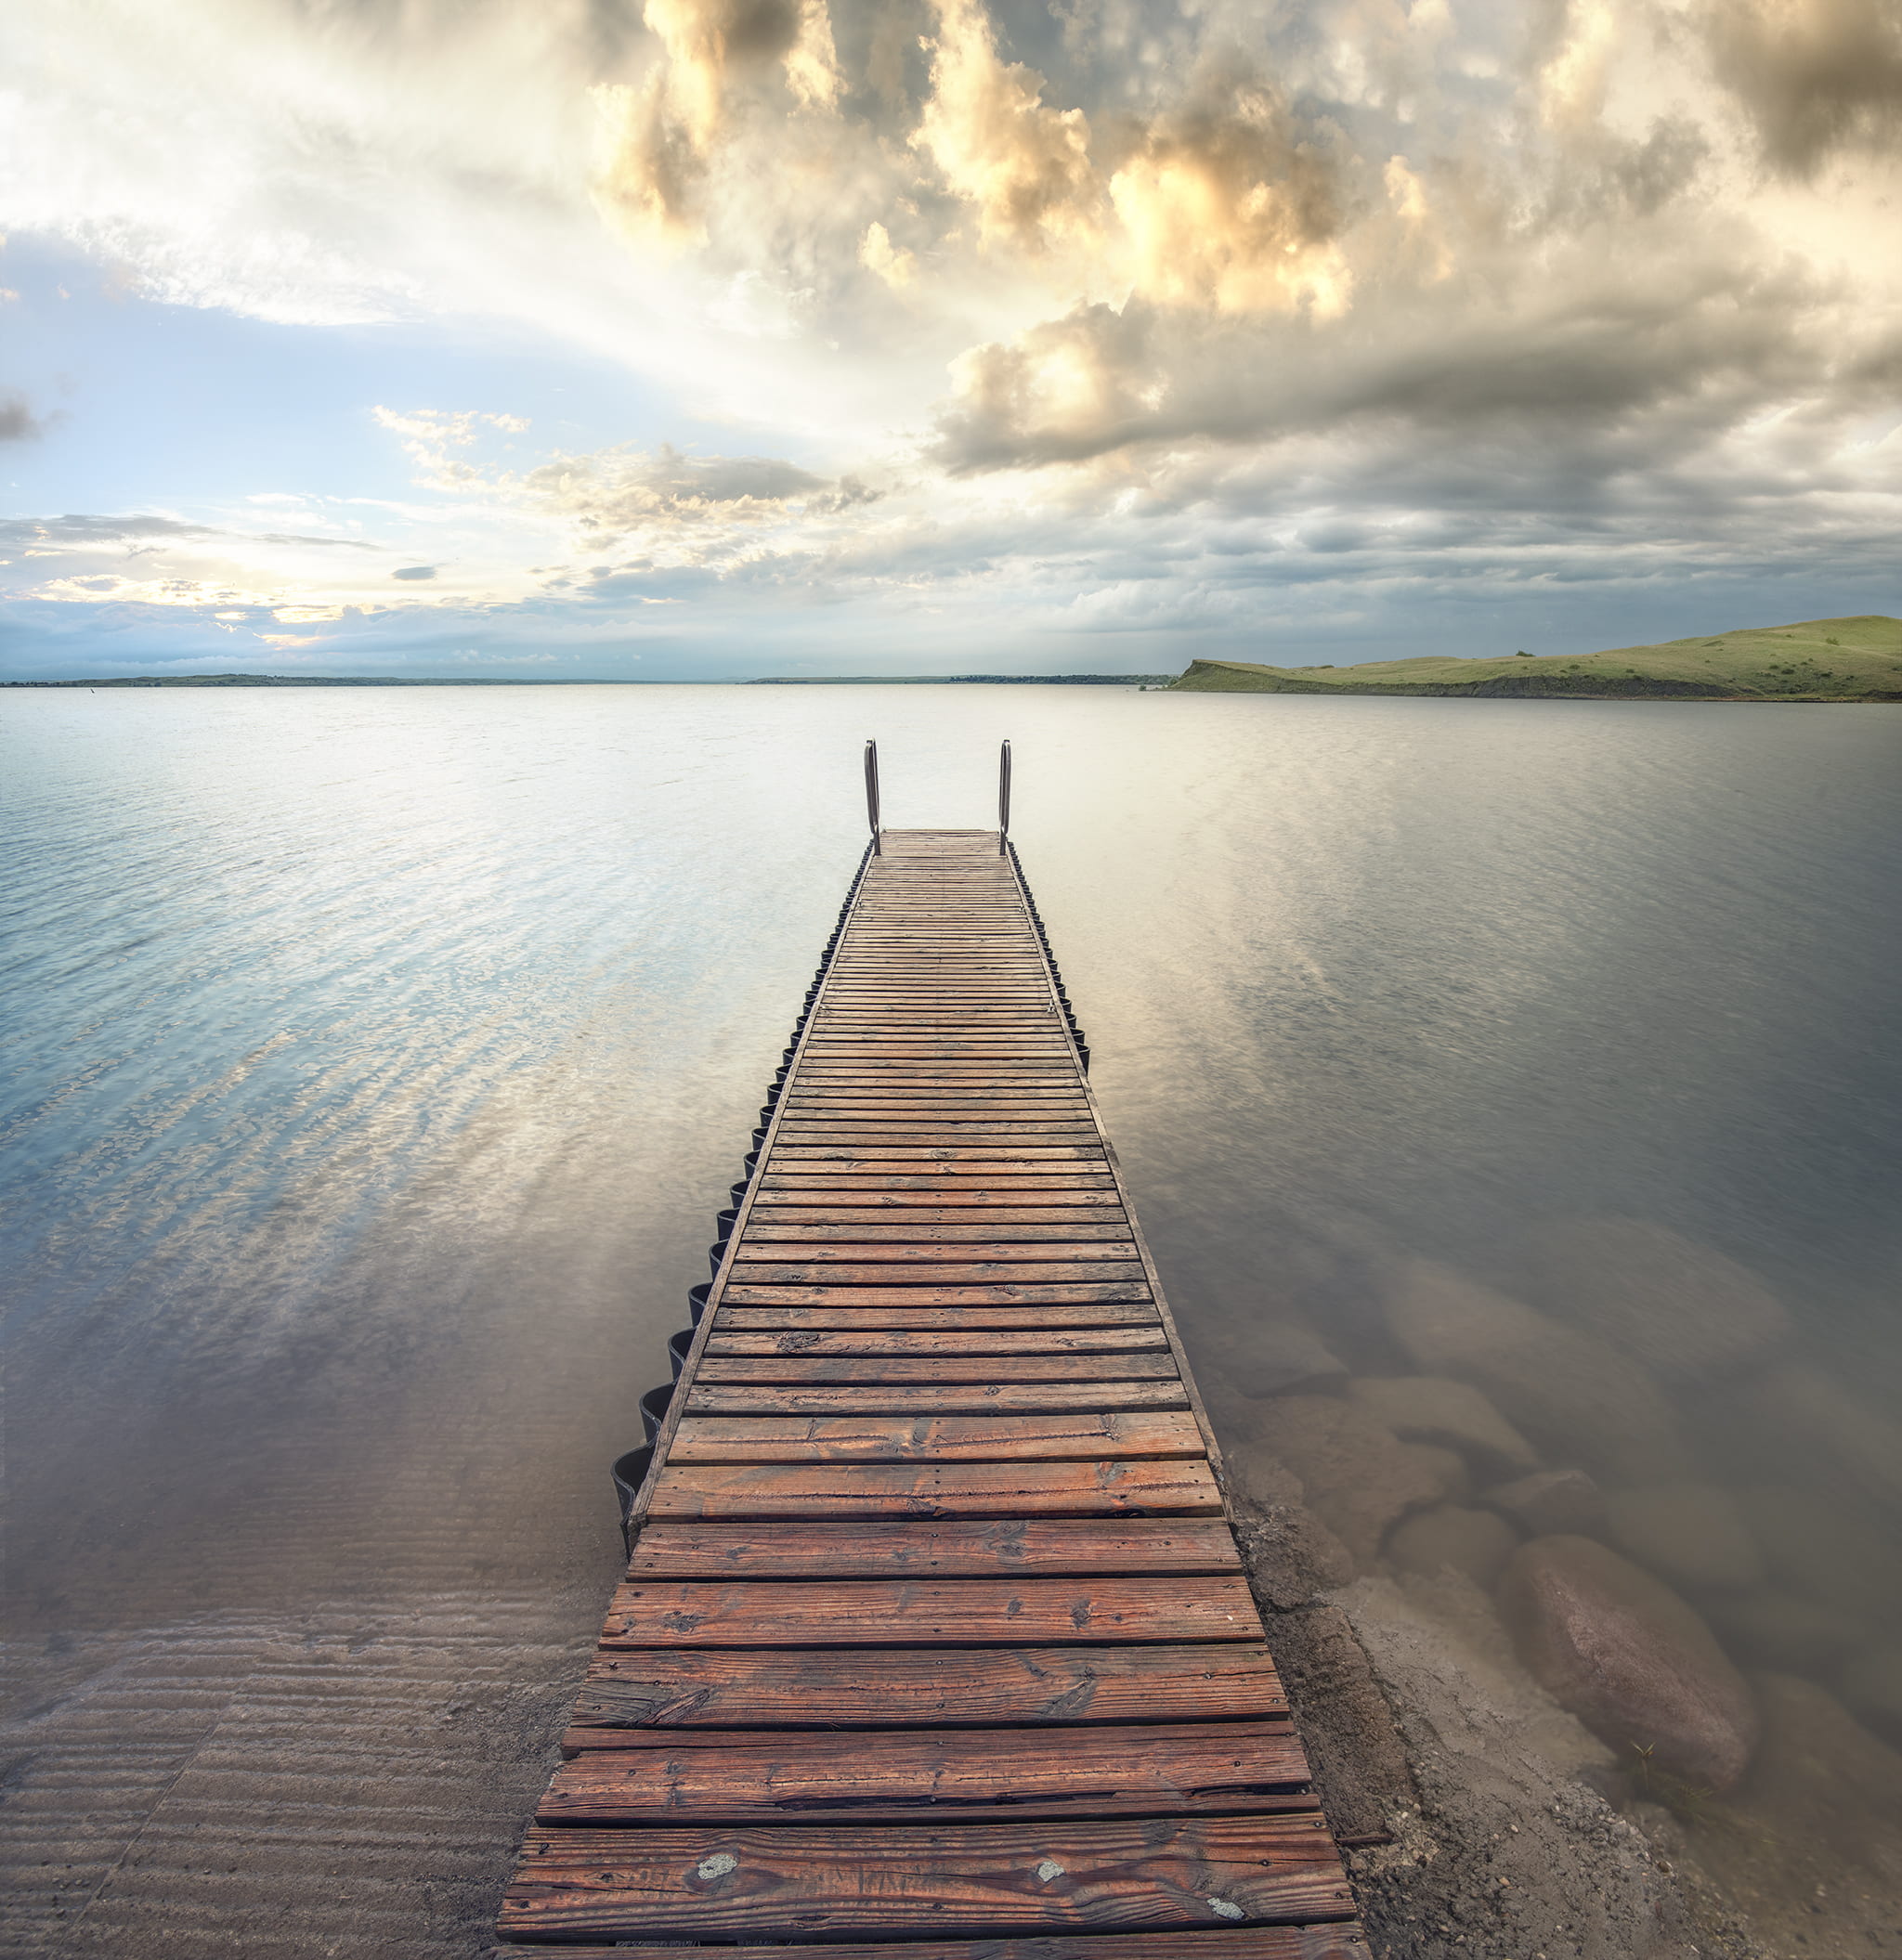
(950, 276)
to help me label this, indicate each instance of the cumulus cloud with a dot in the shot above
(1815, 75)
(1122, 312)
(1022, 163)
(1227, 204)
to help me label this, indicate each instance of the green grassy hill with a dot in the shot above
(1857, 659)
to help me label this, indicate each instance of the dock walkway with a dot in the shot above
(935, 1643)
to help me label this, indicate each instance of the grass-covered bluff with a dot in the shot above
(1855, 659)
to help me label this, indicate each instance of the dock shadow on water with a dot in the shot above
(1509, 1091)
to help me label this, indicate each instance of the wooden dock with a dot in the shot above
(935, 1643)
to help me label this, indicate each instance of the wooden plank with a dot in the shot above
(945, 1159)
(1042, 1271)
(967, 1613)
(1340, 1940)
(931, 1548)
(859, 1338)
(902, 1687)
(933, 1398)
(1174, 1769)
(819, 1225)
(951, 1365)
(806, 1487)
(1028, 1186)
(914, 1134)
(807, 1248)
(822, 1224)
(924, 1319)
(898, 1105)
(745, 1292)
(1061, 1877)
(806, 1439)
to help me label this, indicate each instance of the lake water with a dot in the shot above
(374, 1062)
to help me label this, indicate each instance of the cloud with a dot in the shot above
(1022, 163)
(655, 139)
(415, 571)
(87, 532)
(1100, 319)
(1229, 203)
(18, 423)
(1815, 76)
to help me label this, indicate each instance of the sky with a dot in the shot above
(709, 339)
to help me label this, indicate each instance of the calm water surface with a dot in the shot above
(374, 1062)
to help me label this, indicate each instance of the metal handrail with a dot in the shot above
(1003, 795)
(872, 796)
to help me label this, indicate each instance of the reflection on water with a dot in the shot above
(1510, 1091)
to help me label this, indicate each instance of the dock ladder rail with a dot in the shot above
(934, 1642)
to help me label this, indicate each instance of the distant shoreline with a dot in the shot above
(1156, 681)
(1857, 658)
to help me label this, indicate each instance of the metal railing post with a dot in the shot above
(872, 796)
(1003, 797)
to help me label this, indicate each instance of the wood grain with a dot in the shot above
(926, 1547)
(1106, 1772)
(1100, 1487)
(972, 1879)
(932, 1537)
(793, 1613)
(1342, 1940)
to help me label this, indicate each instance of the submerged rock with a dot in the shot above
(1871, 1683)
(1692, 1535)
(1811, 1418)
(1549, 1502)
(1476, 1543)
(1573, 1396)
(1275, 1358)
(1678, 1307)
(1777, 1630)
(1820, 1551)
(1821, 1780)
(1432, 1409)
(1355, 1474)
(1630, 1659)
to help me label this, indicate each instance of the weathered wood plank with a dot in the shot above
(928, 1548)
(794, 1612)
(898, 1687)
(1060, 1877)
(925, 1199)
(745, 1292)
(961, 1161)
(949, 1366)
(926, 1319)
(934, 1253)
(932, 1399)
(862, 1339)
(1106, 1486)
(1340, 1940)
(819, 1224)
(1102, 1773)
(1037, 1271)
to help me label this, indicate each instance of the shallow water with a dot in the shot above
(375, 1062)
